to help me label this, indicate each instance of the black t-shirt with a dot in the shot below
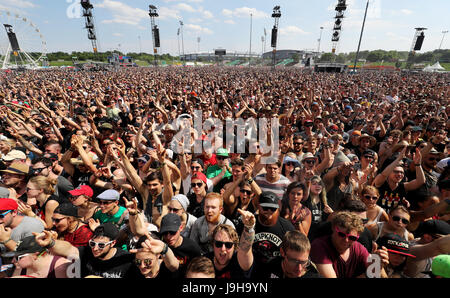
(188, 250)
(389, 198)
(232, 270)
(273, 269)
(121, 265)
(325, 228)
(266, 245)
(195, 208)
(80, 178)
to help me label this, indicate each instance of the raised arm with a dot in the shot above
(244, 251)
(381, 178)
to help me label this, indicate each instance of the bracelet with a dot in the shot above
(4, 242)
(51, 244)
(165, 249)
(250, 181)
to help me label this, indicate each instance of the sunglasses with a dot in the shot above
(298, 143)
(57, 220)
(100, 245)
(310, 161)
(173, 209)
(4, 214)
(38, 171)
(432, 159)
(220, 244)
(168, 233)
(221, 157)
(345, 235)
(290, 163)
(368, 156)
(21, 256)
(147, 262)
(199, 184)
(105, 202)
(365, 220)
(398, 218)
(196, 168)
(368, 197)
(248, 192)
(269, 209)
(305, 263)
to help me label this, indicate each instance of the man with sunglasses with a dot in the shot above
(340, 255)
(270, 228)
(15, 227)
(100, 258)
(293, 262)
(110, 210)
(184, 249)
(221, 170)
(15, 178)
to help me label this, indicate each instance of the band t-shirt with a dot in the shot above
(266, 245)
(391, 198)
(188, 250)
(323, 252)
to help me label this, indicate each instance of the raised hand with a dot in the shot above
(248, 218)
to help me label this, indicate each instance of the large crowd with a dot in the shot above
(171, 173)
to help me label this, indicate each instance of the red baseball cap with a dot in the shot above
(82, 190)
(8, 204)
(199, 175)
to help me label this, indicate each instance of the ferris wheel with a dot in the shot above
(22, 45)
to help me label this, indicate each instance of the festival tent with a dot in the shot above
(433, 68)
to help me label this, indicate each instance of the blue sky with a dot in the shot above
(390, 24)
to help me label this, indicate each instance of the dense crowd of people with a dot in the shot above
(223, 172)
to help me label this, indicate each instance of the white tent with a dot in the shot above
(433, 68)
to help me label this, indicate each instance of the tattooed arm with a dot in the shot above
(245, 252)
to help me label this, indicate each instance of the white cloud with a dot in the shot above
(18, 3)
(244, 12)
(292, 30)
(123, 13)
(118, 34)
(168, 13)
(230, 22)
(206, 13)
(185, 7)
(198, 29)
(406, 11)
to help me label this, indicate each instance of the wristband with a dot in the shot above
(4, 242)
(51, 244)
(250, 181)
(165, 249)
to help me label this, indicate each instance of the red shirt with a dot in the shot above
(80, 237)
(209, 162)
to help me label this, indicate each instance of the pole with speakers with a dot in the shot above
(276, 15)
(153, 13)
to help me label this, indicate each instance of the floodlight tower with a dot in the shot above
(340, 10)
(419, 36)
(89, 22)
(155, 31)
(276, 15)
(182, 41)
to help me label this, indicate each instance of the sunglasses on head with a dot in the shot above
(345, 235)
(220, 244)
(147, 262)
(249, 192)
(198, 184)
(398, 218)
(100, 245)
(5, 213)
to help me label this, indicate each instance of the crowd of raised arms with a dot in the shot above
(221, 172)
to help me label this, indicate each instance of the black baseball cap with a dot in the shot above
(108, 230)
(67, 209)
(395, 244)
(171, 222)
(268, 199)
(25, 246)
(433, 227)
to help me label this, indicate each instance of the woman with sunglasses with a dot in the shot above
(317, 203)
(288, 170)
(69, 226)
(293, 210)
(375, 214)
(41, 201)
(399, 219)
(33, 261)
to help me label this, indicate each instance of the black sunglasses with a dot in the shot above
(249, 192)
(169, 232)
(298, 143)
(199, 184)
(220, 244)
(398, 218)
(221, 157)
(57, 220)
(173, 209)
(269, 209)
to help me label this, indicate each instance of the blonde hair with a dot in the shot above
(348, 221)
(45, 183)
